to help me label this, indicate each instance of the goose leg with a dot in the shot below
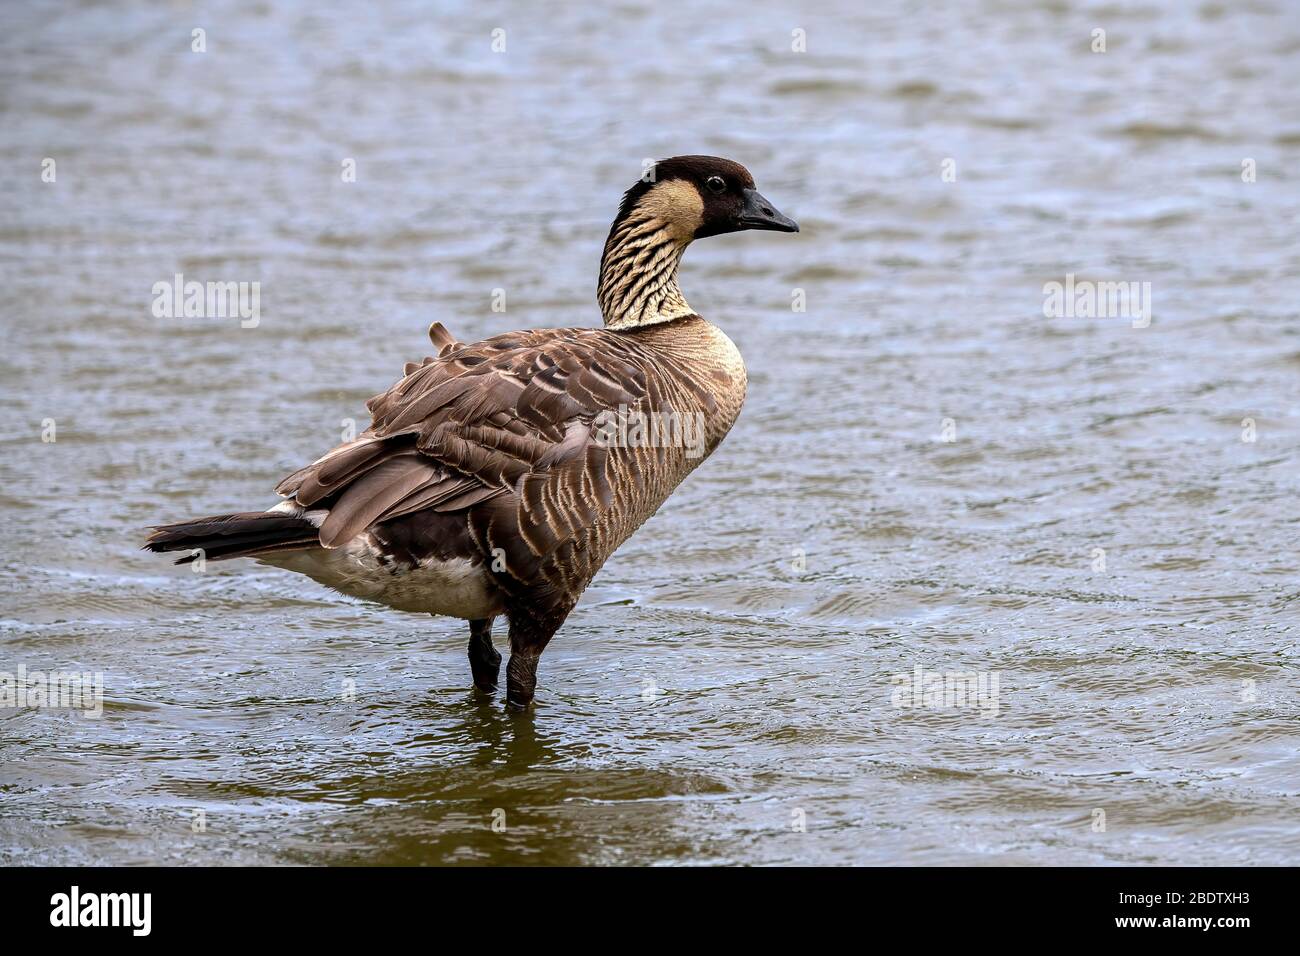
(527, 641)
(484, 660)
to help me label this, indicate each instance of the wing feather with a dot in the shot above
(508, 418)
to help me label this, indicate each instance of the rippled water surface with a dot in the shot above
(723, 694)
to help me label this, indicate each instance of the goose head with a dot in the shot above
(677, 201)
(699, 196)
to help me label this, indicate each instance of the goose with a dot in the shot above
(497, 477)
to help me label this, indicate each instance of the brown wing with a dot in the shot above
(478, 422)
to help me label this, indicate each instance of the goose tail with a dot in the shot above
(218, 537)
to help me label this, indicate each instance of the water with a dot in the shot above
(709, 702)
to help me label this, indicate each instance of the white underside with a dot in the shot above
(456, 588)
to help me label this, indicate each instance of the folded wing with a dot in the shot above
(509, 417)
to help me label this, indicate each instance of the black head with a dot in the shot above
(704, 196)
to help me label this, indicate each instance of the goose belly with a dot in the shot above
(456, 587)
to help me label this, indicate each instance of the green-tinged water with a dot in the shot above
(1100, 514)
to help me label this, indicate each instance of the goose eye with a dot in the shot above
(716, 184)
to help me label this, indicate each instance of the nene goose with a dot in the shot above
(497, 478)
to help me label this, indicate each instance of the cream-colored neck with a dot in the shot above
(638, 273)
